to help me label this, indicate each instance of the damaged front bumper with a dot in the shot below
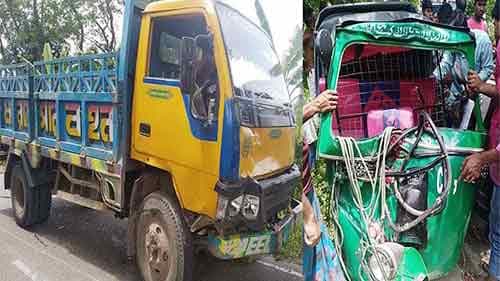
(254, 204)
(256, 243)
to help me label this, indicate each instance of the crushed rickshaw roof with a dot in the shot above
(348, 14)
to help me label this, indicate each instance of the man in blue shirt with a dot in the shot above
(455, 65)
(454, 68)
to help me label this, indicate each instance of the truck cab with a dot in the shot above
(235, 114)
(187, 131)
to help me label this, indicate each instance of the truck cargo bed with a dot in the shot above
(66, 109)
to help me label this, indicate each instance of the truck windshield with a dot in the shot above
(255, 67)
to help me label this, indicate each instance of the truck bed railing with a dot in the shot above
(86, 74)
(14, 78)
(69, 105)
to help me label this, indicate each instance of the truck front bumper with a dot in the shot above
(256, 243)
(268, 197)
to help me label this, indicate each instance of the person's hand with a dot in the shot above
(325, 102)
(471, 94)
(471, 168)
(473, 81)
(312, 229)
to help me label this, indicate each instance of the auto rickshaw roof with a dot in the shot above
(390, 24)
(347, 14)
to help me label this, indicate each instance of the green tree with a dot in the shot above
(101, 24)
(82, 26)
(264, 23)
(26, 25)
(292, 63)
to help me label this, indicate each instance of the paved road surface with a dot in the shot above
(79, 244)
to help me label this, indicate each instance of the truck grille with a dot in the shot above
(277, 193)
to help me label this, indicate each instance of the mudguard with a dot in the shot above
(412, 267)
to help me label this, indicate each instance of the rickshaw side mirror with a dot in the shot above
(188, 55)
(324, 46)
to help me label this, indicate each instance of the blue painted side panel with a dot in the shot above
(230, 151)
(16, 110)
(126, 69)
(47, 142)
(78, 105)
(163, 82)
(70, 104)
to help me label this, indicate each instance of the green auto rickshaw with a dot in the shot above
(395, 145)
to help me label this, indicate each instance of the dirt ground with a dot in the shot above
(475, 254)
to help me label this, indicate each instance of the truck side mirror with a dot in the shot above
(188, 55)
(324, 46)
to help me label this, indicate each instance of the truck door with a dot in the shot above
(172, 129)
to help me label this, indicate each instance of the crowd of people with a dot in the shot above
(473, 164)
(477, 81)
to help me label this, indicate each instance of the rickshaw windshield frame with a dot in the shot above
(414, 34)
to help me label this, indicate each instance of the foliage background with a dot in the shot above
(76, 27)
(69, 26)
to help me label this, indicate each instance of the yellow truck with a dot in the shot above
(187, 131)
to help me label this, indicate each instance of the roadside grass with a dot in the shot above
(292, 250)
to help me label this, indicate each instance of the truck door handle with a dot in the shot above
(145, 129)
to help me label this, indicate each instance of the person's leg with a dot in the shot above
(494, 267)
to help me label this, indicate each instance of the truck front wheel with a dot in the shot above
(31, 205)
(164, 251)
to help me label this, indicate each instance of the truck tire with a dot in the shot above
(164, 247)
(30, 205)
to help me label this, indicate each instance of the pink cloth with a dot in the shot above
(378, 120)
(379, 97)
(473, 24)
(495, 128)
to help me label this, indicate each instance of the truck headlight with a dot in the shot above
(246, 205)
(389, 256)
(251, 205)
(222, 203)
(235, 206)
